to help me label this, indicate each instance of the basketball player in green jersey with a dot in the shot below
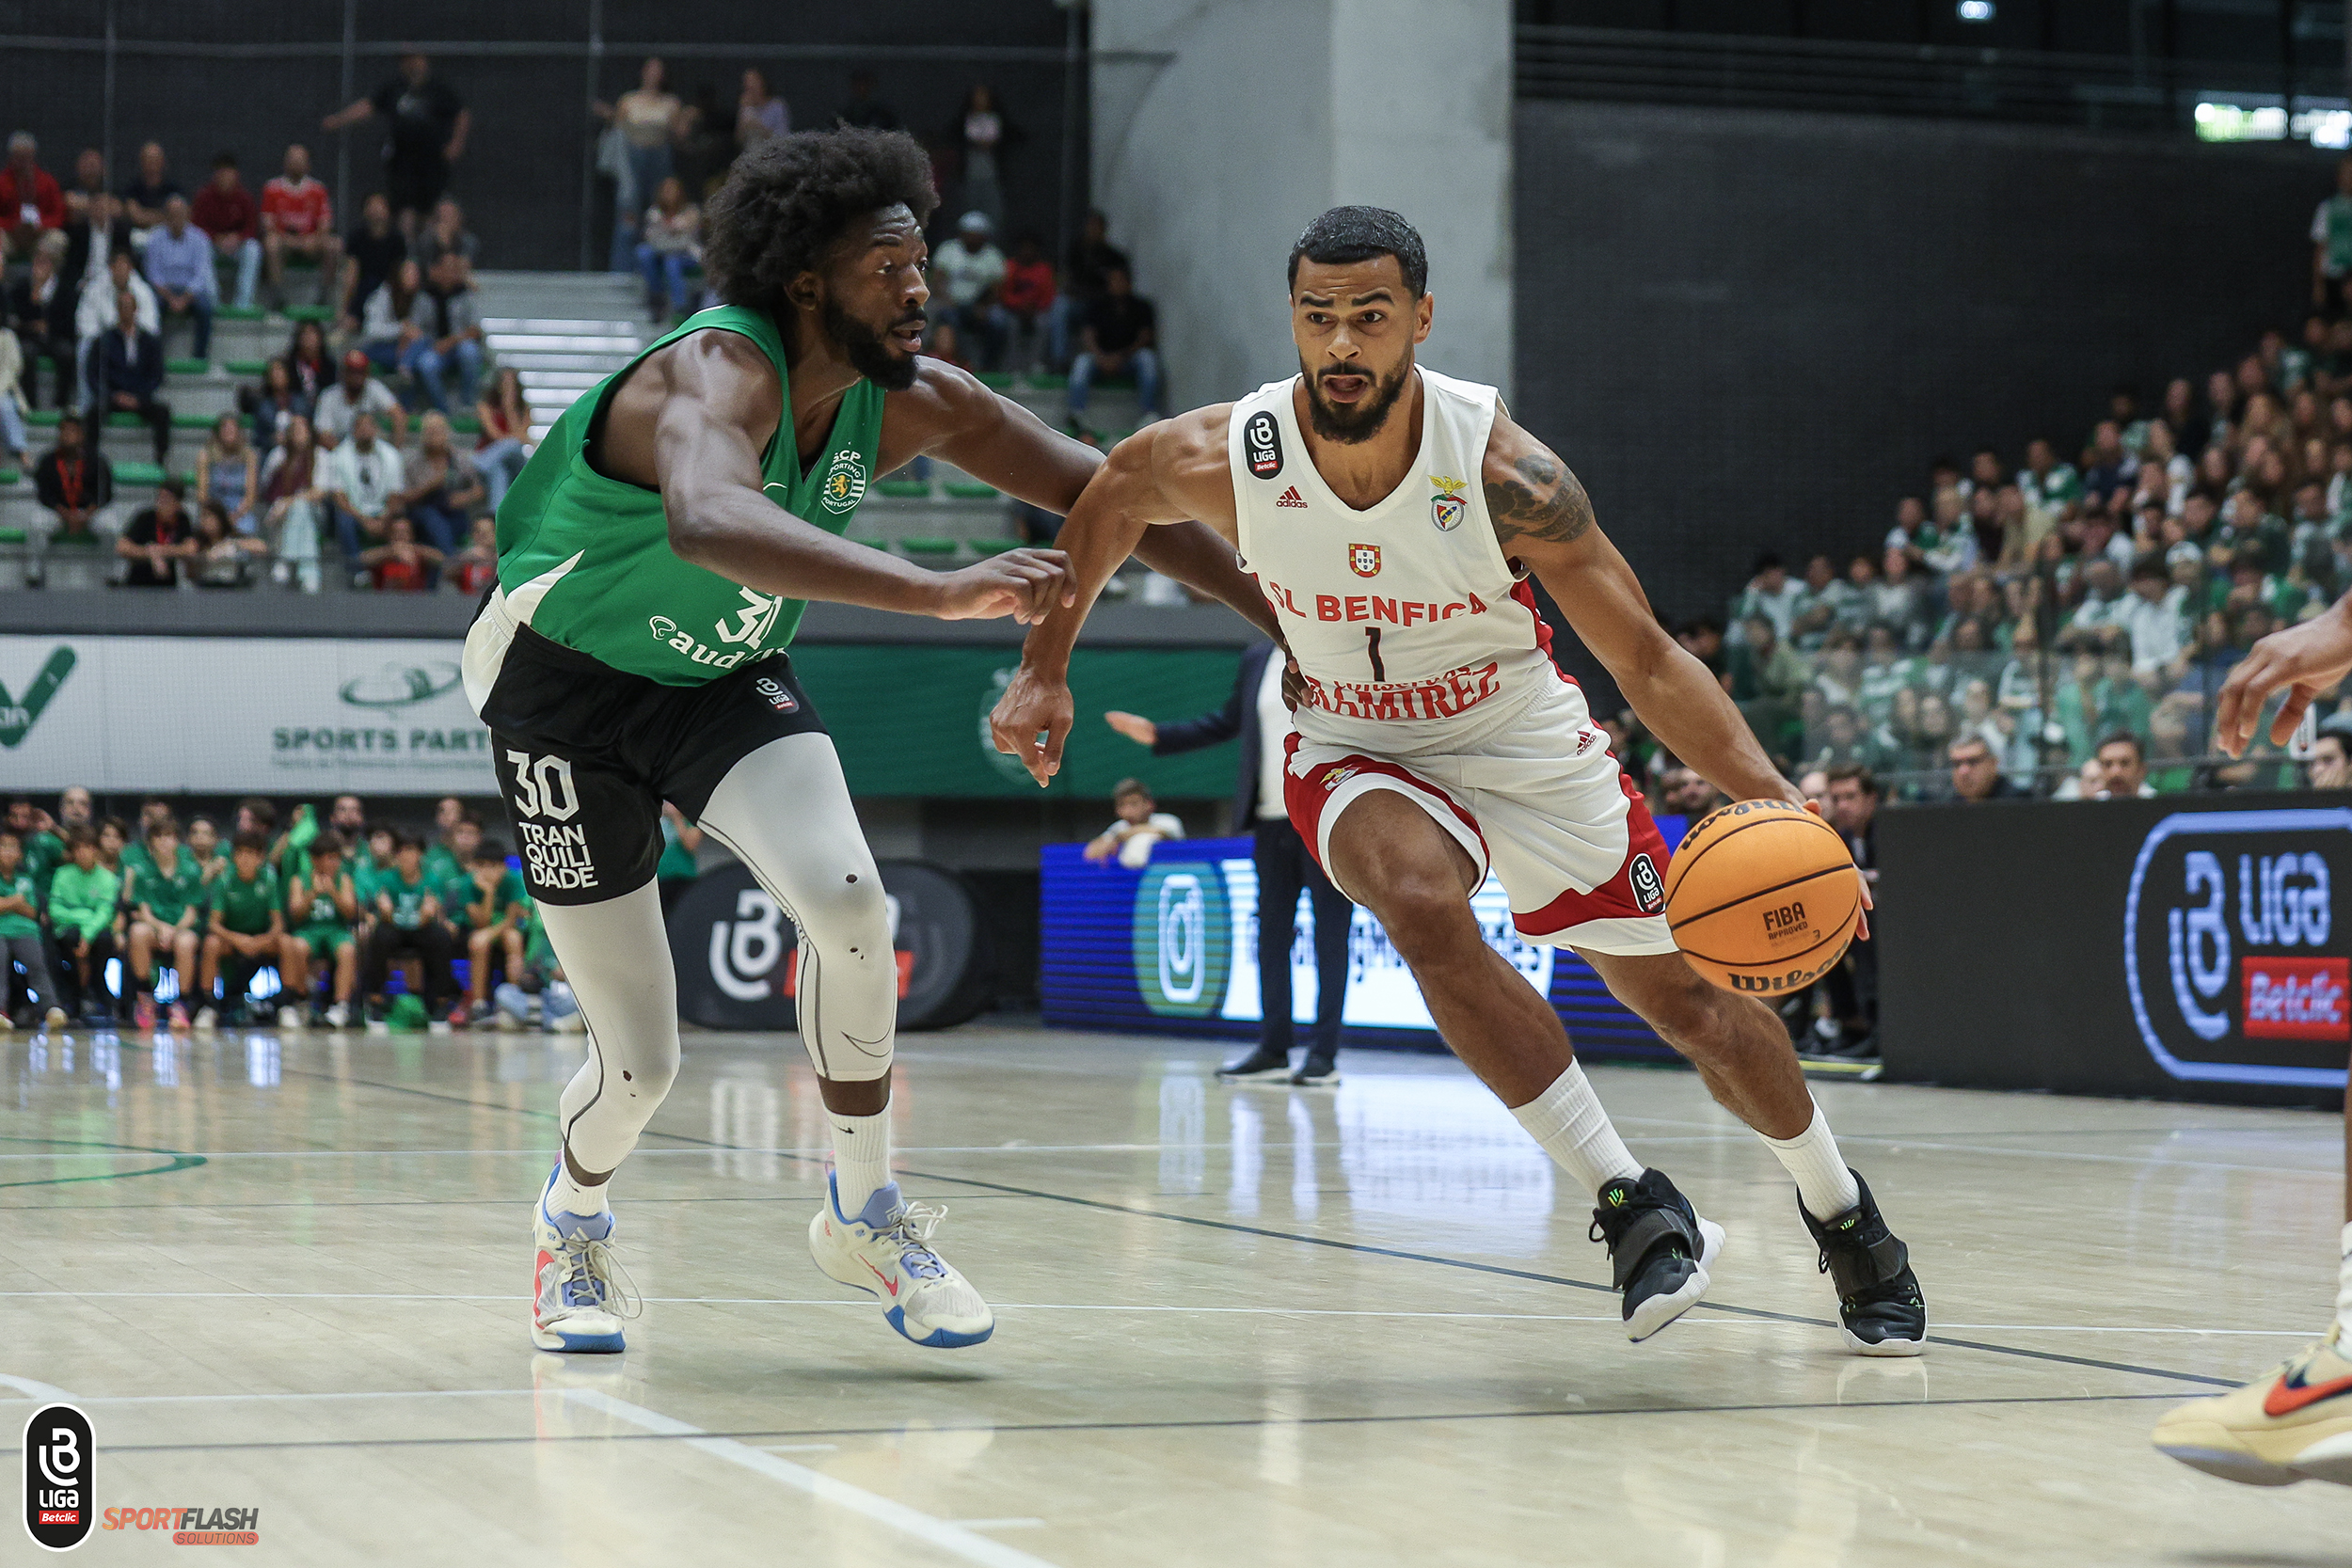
(655, 556)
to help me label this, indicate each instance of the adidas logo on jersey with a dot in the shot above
(1291, 497)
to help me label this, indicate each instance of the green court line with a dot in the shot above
(178, 1161)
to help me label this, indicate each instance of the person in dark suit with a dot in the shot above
(1257, 716)
(130, 373)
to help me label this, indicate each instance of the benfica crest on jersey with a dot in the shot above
(1447, 508)
(1364, 559)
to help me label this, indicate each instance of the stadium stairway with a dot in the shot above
(563, 332)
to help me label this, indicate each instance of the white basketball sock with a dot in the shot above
(1568, 1121)
(2344, 1294)
(567, 1196)
(1824, 1185)
(861, 1158)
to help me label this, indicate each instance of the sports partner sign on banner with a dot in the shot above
(230, 714)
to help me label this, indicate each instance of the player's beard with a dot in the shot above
(868, 351)
(1351, 423)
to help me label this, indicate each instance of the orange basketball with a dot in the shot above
(1762, 897)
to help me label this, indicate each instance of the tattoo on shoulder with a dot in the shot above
(1541, 501)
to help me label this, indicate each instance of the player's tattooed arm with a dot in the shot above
(1536, 498)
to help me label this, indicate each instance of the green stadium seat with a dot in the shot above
(245, 367)
(927, 546)
(237, 312)
(9, 476)
(186, 367)
(1000, 381)
(73, 541)
(137, 473)
(905, 490)
(12, 536)
(994, 546)
(464, 424)
(193, 421)
(1047, 383)
(42, 416)
(971, 490)
(320, 313)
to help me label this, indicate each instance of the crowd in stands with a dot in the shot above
(991, 310)
(99, 918)
(373, 448)
(2058, 622)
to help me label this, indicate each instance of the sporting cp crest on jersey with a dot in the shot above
(1364, 559)
(1447, 508)
(845, 482)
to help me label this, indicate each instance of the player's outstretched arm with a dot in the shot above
(2305, 659)
(1164, 474)
(718, 402)
(1543, 518)
(948, 414)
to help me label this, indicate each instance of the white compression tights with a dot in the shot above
(785, 810)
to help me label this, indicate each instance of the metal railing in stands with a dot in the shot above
(1718, 70)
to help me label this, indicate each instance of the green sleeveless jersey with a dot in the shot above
(585, 560)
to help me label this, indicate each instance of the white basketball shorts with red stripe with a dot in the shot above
(1541, 803)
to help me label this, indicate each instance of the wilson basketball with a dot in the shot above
(1762, 897)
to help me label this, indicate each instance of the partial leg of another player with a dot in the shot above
(1742, 1054)
(2295, 1421)
(1389, 854)
(785, 812)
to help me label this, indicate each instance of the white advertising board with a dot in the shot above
(225, 715)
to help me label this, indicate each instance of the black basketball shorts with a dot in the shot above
(586, 754)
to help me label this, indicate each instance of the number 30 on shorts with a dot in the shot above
(543, 786)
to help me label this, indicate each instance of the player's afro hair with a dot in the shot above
(788, 199)
(1346, 234)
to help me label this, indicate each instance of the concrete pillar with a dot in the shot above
(1221, 127)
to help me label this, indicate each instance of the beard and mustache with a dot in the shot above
(1351, 423)
(869, 350)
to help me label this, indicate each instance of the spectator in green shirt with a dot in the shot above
(83, 898)
(450, 860)
(408, 922)
(248, 927)
(323, 905)
(497, 921)
(204, 844)
(165, 892)
(21, 941)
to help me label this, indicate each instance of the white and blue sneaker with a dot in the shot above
(580, 1291)
(884, 1251)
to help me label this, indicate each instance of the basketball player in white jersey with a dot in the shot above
(1392, 516)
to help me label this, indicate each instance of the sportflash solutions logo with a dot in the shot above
(192, 1526)
(2233, 952)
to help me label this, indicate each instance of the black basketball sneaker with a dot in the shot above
(1878, 1296)
(1658, 1250)
(1260, 1065)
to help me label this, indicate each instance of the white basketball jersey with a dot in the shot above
(1407, 620)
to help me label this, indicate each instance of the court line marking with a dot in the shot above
(1117, 1306)
(1442, 1261)
(1320, 1241)
(1027, 1522)
(744, 1439)
(940, 1534)
(174, 1161)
